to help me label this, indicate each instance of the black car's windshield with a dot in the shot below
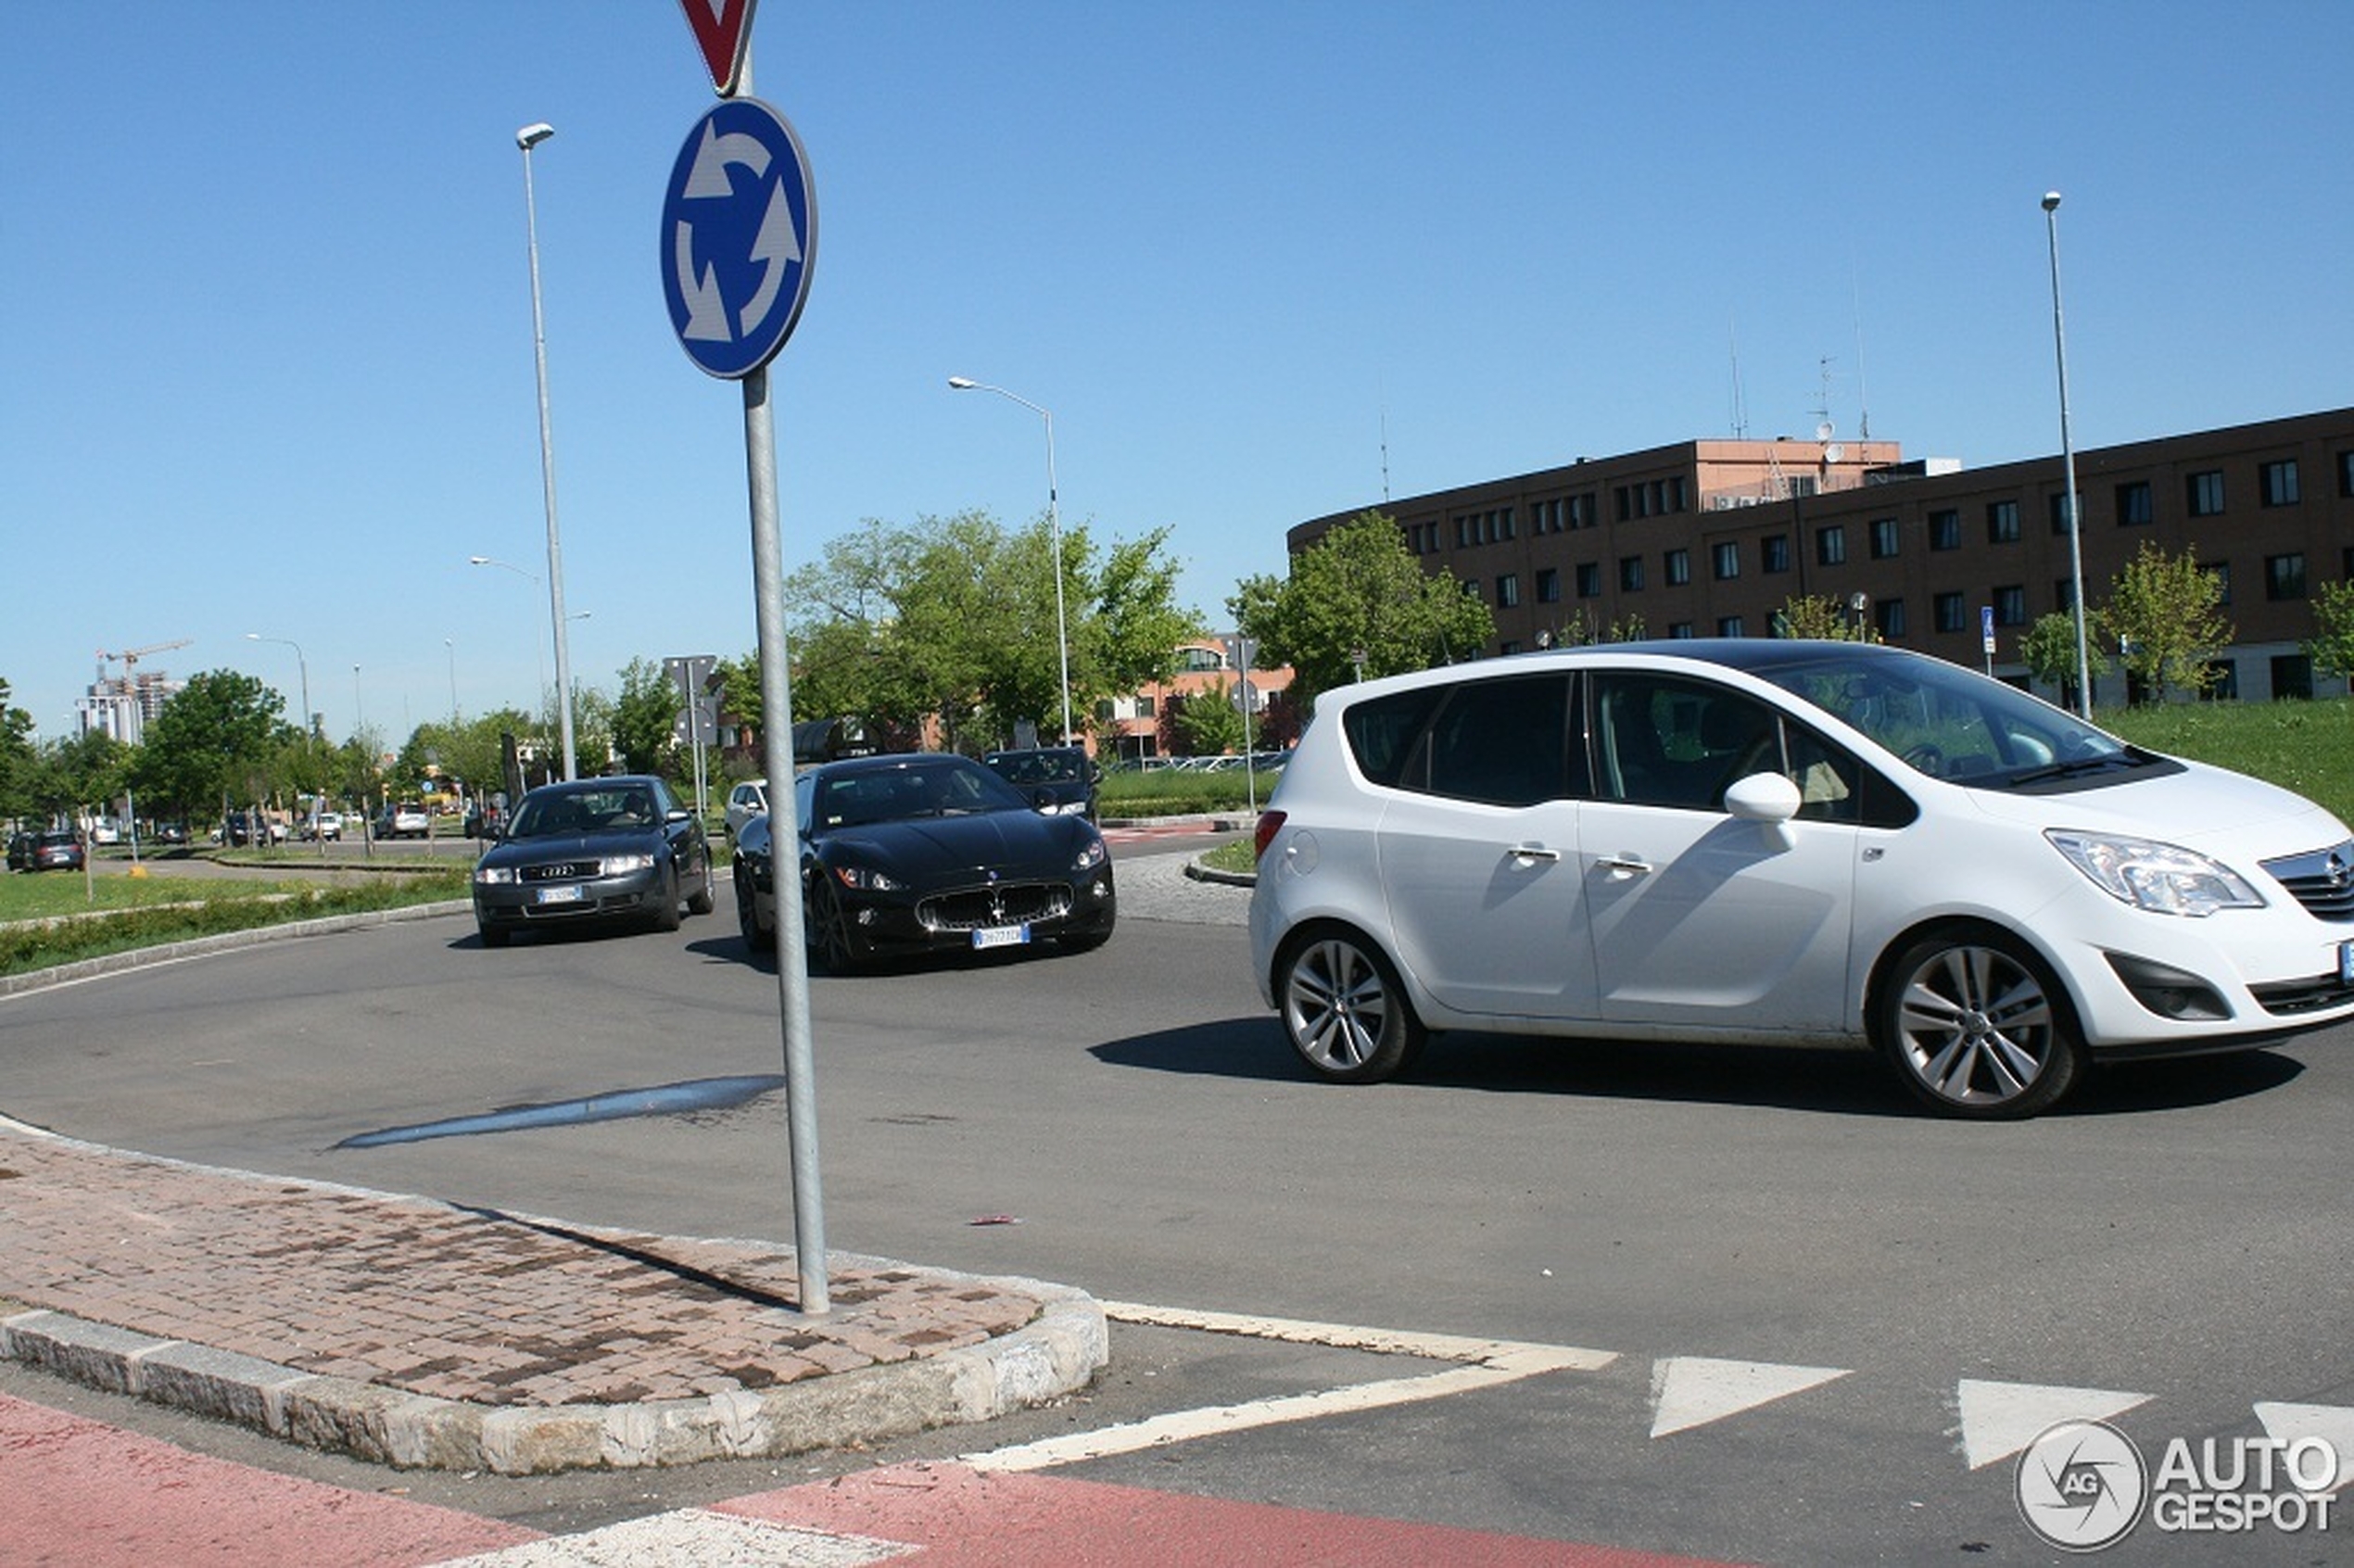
(1951, 723)
(597, 809)
(1039, 768)
(933, 787)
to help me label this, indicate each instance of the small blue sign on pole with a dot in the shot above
(739, 237)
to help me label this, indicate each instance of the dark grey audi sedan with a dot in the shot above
(619, 849)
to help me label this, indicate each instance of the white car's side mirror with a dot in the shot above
(1763, 797)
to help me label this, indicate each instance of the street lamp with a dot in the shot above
(452, 644)
(2067, 466)
(527, 138)
(539, 665)
(1053, 524)
(302, 667)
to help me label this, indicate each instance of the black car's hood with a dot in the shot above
(940, 850)
(573, 846)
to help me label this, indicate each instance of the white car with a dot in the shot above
(1780, 842)
(746, 801)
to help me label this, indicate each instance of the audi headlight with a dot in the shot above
(621, 864)
(865, 879)
(494, 875)
(2164, 879)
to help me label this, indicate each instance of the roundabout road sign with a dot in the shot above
(738, 235)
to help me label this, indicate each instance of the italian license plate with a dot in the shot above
(2345, 962)
(568, 894)
(1001, 936)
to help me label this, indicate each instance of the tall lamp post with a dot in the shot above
(527, 138)
(1053, 524)
(2068, 467)
(302, 667)
(540, 667)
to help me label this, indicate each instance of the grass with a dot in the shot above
(2308, 747)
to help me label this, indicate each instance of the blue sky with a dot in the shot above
(265, 349)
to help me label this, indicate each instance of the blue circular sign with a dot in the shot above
(739, 236)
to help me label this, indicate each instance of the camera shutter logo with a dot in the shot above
(2081, 1486)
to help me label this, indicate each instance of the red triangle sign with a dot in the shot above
(723, 32)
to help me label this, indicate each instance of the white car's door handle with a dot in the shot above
(1624, 864)
(1532, 851)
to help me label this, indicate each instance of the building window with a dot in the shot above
(1728, 625)
(2223, 683)
(1727, 562)
(1773, 553)
(1549, 584)
(2204, 493)
(2285, 577)
(2345, 473)
(1547, 516)
(1680, 567)
(1581, 512)
(2277, 483)
(1590, 579)
(1830, 545)
(1679, 629)
(2222, 572)
(2010, 606)
(1883, 537)
(1144, 706)
(1508, 590)
(1630, 573)
(2002, 521)
(1945, 530)
(1888, 614)
(2292, 675)
(2134, 505)
(2060, 513)
(1951, 612)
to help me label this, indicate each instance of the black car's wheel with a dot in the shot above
(666, 913)
(700, 902)
(826, 929)
(1976, 1025)
(1344, 1010)
(494, 936)
(757, 937)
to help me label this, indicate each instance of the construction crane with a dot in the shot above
(129, 657)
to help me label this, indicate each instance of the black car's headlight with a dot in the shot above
(621, 864)
(863, 878)
(495, 875)
(1090, 855)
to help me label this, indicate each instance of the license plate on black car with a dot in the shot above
(1001, 936)
(2345, 962)
(571, 894)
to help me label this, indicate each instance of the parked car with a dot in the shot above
(250, 827)
(168, 833)
(20, 847)
(322, 824)
(56, 849)
(927, 853)
(1058, 779)
(746, 801)
(610, 849)
(1763, 842)
(405, 819)
(105, 830)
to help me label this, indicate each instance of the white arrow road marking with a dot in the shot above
(2332, 1423)
(706, 313)
(709, 177)
(1999, 1419)
(1694, 1390)
(778, 246)
(1488, 1363)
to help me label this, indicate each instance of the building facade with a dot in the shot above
(1711, 537)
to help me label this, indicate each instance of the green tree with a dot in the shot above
(1822, 617)
(1356, 598)
(1207, 723)
(2331, 647)
(644, 716)
(211, 742)
(91, 771)
(20, 758)
(2048, 650)
(2165, 614)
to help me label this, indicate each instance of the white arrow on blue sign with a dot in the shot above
(739, 237)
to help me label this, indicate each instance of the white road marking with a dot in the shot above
(2332, 1423)
(1689, 1391)
(693, 1537)
(1999, 1419)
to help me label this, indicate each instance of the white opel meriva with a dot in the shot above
(1783, 842)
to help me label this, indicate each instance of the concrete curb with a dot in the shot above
(1056, 1353)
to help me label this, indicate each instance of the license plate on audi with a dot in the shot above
(568, 894)
(1001, 936)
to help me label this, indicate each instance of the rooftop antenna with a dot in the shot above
(1741, 403)
(1385, 452)
(1863, 396)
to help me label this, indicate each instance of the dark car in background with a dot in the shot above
(906, 855)
(1061, 779)
(621, 848)
(58, 849)
(20, 850)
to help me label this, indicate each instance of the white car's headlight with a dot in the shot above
(620, 865)
(2166, 878)
(494, 875)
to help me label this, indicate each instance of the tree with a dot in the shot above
(2049, 653)
(2331, 647)
(18, 758)
(210, 742)
(645, 716)
(1357, 598)
(1207, 724)
(1823, 617)
(2163, 612)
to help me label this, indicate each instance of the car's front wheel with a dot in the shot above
(831, 941)
(1977, 1025)
(494, 936)
(757, 937)
(1344, 1011)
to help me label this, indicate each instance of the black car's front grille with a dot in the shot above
(559, 871)
(1005, 903)
(2322, 881)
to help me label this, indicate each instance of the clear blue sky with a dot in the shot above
(265, 350)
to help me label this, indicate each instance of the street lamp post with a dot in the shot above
(527, 138)
(539, 663)
(302, 667)
(1053, 524)
(2067, 466)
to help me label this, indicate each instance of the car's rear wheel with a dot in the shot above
(1977, 1025)
(827, 932)
(757, 937)
(1344, 1010)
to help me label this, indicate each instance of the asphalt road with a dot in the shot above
(1132, 1122)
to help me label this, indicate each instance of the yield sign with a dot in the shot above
(723, 31)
